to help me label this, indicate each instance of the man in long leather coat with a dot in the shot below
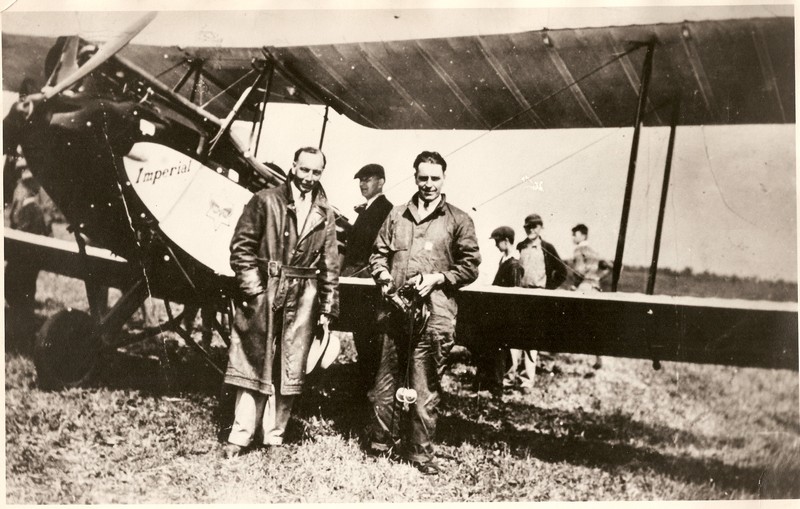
(285, 257)
(430, 244)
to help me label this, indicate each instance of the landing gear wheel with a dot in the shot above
(66, 350)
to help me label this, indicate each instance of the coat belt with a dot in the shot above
(274, 268)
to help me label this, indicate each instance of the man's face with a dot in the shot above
(370, 186)
(430, 179)
(502, 245)
(307, 170)
(578, 237)
(533, 231)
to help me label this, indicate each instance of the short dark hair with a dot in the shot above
(428, 156)
(581, 228)
(310, 150)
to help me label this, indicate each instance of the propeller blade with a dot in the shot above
(107, 51)
(68, 63)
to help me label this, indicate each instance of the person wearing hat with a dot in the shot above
(358, 248)
(586, 268)
(285, 257)
(543, 268)
(26, 215)
(371, 214)
(490, 362)
(426, 247)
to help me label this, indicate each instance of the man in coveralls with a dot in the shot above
(430, 245)
(286, 261)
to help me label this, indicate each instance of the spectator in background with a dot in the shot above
(20, 275)
(490, 357)
(358, 248)
(543, 268)
(586, 268)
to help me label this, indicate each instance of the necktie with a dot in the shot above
(360, 208)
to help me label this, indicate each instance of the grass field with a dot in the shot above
(148, 432)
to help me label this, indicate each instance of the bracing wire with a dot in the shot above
(527, 178)
(534, 105)
(716, 183)
(168, 69)
(225, 90)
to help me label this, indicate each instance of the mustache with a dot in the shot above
(298, 181)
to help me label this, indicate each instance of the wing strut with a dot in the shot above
(651, 277)
(262, 111)
(637, 127)
(324, 125)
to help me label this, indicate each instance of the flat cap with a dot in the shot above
(371, 170)
(533, 220)
(503, 232)
(580, 227)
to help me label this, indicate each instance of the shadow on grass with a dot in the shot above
(591, 441)
(334, 403)
(579, 438)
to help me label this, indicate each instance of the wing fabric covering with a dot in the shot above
(727, 72)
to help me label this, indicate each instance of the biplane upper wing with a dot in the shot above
(736, 71)
(727, 72)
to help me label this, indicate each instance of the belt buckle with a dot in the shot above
(273, 268)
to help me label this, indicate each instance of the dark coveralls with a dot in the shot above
(444, 242)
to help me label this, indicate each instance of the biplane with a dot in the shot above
(151, 177)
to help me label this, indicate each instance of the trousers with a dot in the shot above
(258, 415)
(422, 371)
(527, 378)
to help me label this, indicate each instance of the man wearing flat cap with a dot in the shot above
(371, 214)
(543, 269)
(358, 248)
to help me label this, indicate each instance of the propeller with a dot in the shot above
(107, 51)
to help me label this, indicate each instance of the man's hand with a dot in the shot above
(426, 283)
(324, 321)
(385, 282)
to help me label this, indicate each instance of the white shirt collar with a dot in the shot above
(513, 254)
(369, 202)
(426, 211)
(297, 192)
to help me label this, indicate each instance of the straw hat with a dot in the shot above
(324, 350)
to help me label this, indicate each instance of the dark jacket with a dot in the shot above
(286, 280)
(554, 267)
(361, 237)
(509, 273)
(443, 242)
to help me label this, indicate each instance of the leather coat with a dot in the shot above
(286, 280)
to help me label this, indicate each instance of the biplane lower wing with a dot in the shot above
(661, 328)
(64, 257)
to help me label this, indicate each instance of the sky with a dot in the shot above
(732, 201)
